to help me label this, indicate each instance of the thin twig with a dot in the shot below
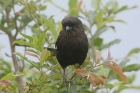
(58, 6)
(17, 29)
(41, 17)
(31, 14)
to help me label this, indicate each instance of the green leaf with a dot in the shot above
(110, 86)
(25, 58)
(4, 29)
(133, 51)
(31, 6)
(20, 55)
(85, 27)
(133, 67)
(42, 7)
(4, 4)
(52, 27)
(118, 83)
(113, 28)
(109, 19)
(95, 4)
(36, 30)
(13, 87)
(122, 87)
(30, 38)
(21, 42)
(92, 17)
(51, 19)
(72, 88)
(121, 21)
(62, 90)
(11, 76)
(59, 26)
(44, 55)
(34, 64)
(3, 20)
(99, 19)
(131, 78)
(99, 32)
(35, 40)
(41, 41)
(18, 73)
(102, 69)
(114, 6)
(123, 8)
(73, 7)
(124, 62)
(116, 41)
(98, 42)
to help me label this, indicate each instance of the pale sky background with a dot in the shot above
(129, 33)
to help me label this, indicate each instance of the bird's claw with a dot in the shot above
(65, 81)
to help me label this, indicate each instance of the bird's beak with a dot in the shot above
(68, 28)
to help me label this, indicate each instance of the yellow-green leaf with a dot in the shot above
(44, 55)
(59, 26)
(99, 19)
(21, 42)
(41, 41)
(95, 4)
(27, 36)
(52, 27)
(73, 7)
(133, 51)
(11, 76)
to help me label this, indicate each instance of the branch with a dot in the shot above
(7, 16)
(16, 66)
(5, 31)
(17, 29)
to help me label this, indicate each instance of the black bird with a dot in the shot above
(72, 43)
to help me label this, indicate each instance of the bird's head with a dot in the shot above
(70, 23)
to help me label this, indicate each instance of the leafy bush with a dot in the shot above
(45, 74)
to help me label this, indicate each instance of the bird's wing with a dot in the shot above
(58, 39)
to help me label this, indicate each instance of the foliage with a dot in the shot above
(46, 74)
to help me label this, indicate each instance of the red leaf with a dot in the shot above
(5, 82)
(109, 55)
(97, 78)
(31, 54)
(118, 71)
(103, 77)
(81, 72)
(97, 83)
(17, 14)
(114, 63)
(79, 5)
(91, 81)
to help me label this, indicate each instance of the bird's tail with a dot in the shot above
(52, 50)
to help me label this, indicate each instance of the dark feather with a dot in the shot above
(72, 44)
(52, 50)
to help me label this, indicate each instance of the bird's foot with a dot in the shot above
(65, 81)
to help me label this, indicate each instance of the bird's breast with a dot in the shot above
(70, 44)
(72, 49)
